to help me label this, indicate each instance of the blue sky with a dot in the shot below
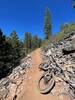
(28, 15)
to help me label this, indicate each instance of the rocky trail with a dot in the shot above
(30, 90)
(25, 86)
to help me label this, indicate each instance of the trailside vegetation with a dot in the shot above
(12, 50)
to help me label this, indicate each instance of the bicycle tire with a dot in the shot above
(47, 89)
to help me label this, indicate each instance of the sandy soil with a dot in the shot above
(30, 90)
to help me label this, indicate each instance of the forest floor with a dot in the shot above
(30, 90)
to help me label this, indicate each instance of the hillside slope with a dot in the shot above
(23, 81)
(30, 90)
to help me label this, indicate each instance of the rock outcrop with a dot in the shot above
(10, 86)
(63, 54)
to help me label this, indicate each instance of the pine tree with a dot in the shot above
(47, 24)
(36, 42)
(5, 55)
(16, 47)
(39, 42)
(27, 42)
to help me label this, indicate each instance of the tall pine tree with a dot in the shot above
(5, 55)
(27, 42)
(16, 47)
(47, 24)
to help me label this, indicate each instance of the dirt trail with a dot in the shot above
(30, 90)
